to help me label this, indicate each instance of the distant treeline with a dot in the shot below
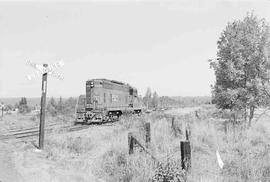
(54, 106)
(179, 101)
(152, 100)
(31, 101)
(193, 101)
(63, 105)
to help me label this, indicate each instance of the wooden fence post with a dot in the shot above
(225, 127)
(147, 134)
(197, 115)
(130, 143)
(185, 155)
(188, 134)
(173, 124)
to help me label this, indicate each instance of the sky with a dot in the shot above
(163, 45)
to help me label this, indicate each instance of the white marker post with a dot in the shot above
(220, 162)
(44, 70)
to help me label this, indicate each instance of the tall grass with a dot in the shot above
(117, 165)
(244, 151)
(61, 147)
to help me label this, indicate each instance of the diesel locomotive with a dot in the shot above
(107, 100)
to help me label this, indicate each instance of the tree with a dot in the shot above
(242, 66)
(52, 107)
(69, 106)
(9, 107)
(23, 101)
(60, 105)
(155, 100)
(23, 107)
(16, 105)
(147, 97)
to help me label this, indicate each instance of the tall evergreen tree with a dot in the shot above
(147, 97)
(23, 107)
(60, 105)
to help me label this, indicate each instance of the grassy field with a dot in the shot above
(100, 153)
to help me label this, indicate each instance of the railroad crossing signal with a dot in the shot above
(42, 110)
(44, 70)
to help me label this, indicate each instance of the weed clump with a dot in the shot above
(114, 165)
(169, 172)
(57, 148)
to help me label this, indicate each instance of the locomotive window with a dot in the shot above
(111, 98)
(104, 97)
(130, 91)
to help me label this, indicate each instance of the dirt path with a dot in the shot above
(8, 171)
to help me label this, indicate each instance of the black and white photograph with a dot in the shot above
(135, 91)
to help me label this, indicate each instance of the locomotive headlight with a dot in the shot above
(91, 84)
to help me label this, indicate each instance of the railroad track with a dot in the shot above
(34, 131)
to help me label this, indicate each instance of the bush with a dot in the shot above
(115, 166)
(24, 109)
(169, 172)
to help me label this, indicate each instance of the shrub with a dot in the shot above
(24, 109)
(169, 172)
(115, 166)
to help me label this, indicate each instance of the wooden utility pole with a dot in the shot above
(43, 108)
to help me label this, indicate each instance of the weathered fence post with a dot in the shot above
(173, 124)
(147, 134)
(225, 127)
(185, 155)
(196, 114)
(188, 134)
(130, 143)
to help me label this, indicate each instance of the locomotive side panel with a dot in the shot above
(109, 99)
(109, 95)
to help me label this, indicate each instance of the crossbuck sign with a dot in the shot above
(50, 69)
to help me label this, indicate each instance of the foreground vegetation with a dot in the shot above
(244, 150)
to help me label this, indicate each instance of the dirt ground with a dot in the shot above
(8, 167)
